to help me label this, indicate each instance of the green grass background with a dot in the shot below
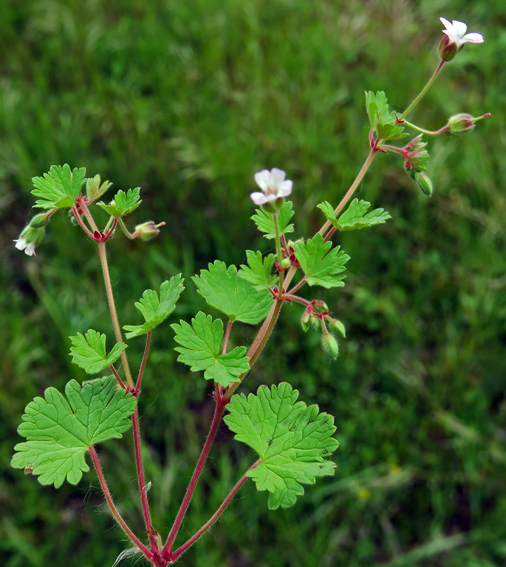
(188, 99)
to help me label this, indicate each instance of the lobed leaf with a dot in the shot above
(355, 216)
(321, 264)
(381, 118)
(123, 203)
(89, 352)
(292, 440)
(200, 349)
(265, 223)
(224, 290)
(259, 270)
(58, 188)
(156, 309)
(59, 430)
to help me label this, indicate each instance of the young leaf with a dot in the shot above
(154, 309)
(123, 203)
(258, 271)
(382, 120)
(58, 188)
(223, 289)
(59, 430)
(355, 216)
(321, 265)
(200, 349)
(88, 351)
(265, 223)
(292, 440)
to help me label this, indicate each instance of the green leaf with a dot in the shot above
(355, 216)
(321, 265)
(292, 440)
(223, 289)
(123, 203)
(200, 349)
(155, 310)
(265, 223)
(382, 119)
(59, 430)
(88, 351)
(259, 270)
(58, 188)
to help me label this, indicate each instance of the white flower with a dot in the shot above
(273, 184)
(456, 32)
(22, 244)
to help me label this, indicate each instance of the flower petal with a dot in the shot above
(285, 188)
(262, 179)
(20, 243)
(473, 38)
(459, 28)
(446, 23)
(277, 177)
(258, 198)
(30, 249)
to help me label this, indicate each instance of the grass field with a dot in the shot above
(188, 100)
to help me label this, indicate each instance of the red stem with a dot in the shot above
(298, 286)
(296, 298)
(227, 336)
(81, 223)
(142, 482)
(114, 510)
(213, 519)
(218, 412)
(117, 376)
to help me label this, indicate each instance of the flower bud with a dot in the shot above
(330, 345)
(337, 326)
(424, 183)
(39, 221)
(148, 230)
(285, 264)
(306, 317)
(463, 122)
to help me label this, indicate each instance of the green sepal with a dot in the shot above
(201, 346)
(224, 290)
(156, 308)
(355, 216)
(123, 203)
(292, 440)
(322, 264)
(60, 429)
(259, 270)
(265, 223)
(58, 188)
(88, 351)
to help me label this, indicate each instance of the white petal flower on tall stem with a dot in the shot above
(456, 32)
(273, 184)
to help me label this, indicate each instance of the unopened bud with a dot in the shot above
(424, 183)
(39, 221)
(330, 345)
(337, 326)
(285, 264)
(148, 230)
(463, 122)
(306, 317)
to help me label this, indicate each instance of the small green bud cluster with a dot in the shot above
(318, 316)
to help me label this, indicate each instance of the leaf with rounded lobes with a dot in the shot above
(200, 349)
(356, 216)
(59, 430)
(156, 309)
(224, 290)
(292, 440)
(123, 203)
(321, 264)
(58, 188)
(259, 270)
(88, 351)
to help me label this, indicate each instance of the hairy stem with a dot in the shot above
(227, 337)
(112, 309)
(279, 253)
(419, 97)
(214, 517)
(135, 540)
(218, 413)
(142, 481)
(143, 363)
